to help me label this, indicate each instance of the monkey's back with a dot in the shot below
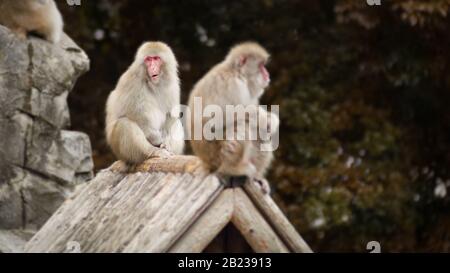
(217, 87)
(42, 17)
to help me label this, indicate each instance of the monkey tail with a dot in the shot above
(128, 141)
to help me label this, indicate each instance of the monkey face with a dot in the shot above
(154, 71)
(254, 68)
(264, 74)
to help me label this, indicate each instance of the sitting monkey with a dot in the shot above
(239, 80)
(142, 113)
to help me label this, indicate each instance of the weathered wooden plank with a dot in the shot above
(52, 236)
(137, 201)
(258, 233)
(116, 207)
(180, 210)
(85, 232)
(276, 219)
(161, 205)
(114, 224)
(176, 164)
(208, 226)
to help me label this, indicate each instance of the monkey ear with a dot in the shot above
(242, 60)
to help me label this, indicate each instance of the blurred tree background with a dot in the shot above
(364, 95)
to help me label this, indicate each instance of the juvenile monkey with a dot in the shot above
(142, 112)
(246, 157)
(39, 16)
(239, 80)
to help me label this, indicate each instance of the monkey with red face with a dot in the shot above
(142, 113)
(239, 80)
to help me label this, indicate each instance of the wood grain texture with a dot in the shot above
(164, 205)
(128, 212)
(180, 209)
(276, 219)
(208, 226)
(176, 164)
(55, 233)
(258, 233)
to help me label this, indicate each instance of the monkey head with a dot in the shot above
(158, 62)
(250, 60)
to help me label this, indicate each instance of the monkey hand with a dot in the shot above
(167, 147)
(164, 146)
(162, 153)
(263, 184)
(155, 141)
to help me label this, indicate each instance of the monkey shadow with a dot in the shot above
(232, 181)
(35, 34)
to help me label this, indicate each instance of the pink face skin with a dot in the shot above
(265, 74)
(153, 64)
(264, 78)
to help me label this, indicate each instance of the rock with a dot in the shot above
(11, 206)
(13, 131)
(58, 154)
(41, 198)
(13, 241)
(40, 162)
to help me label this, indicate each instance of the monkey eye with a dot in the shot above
(152, 58)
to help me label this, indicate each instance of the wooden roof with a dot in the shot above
(164, 205)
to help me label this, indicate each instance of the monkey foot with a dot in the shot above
(263, 184)
(20, 32)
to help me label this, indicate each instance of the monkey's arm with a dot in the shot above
(129, 143)
(174, 141)
(154, 136)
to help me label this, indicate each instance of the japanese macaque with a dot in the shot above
(239, 80)
(41, 17)
(142, 112)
